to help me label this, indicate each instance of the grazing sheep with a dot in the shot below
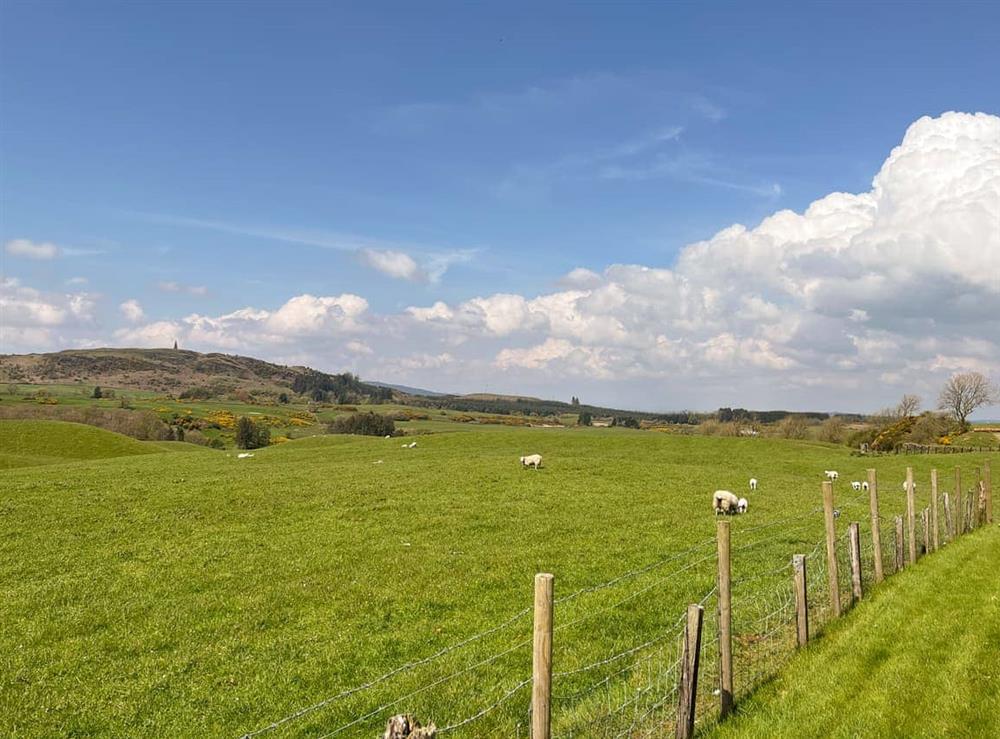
(532, 460)
(753, 483)
(411, 445)
(904, 486)
(724, 501)
(243, 455)
(864, 486)
(831, 474)
(742, 505)
(855, 485)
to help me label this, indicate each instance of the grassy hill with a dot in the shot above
(176, 371)
(31, 443)
(202, 594)
(920, 658)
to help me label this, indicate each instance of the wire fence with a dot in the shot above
(617, 645)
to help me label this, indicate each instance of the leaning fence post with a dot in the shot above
(948, 523)
(541, 659)
(934, 510)
(989, 491)
(854, 538)
(725, 622)
(876, 533)
(899, 543)
(688, 689)
(831, 547)
(911, 519)
(801, 599)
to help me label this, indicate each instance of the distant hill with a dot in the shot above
(177, 371)
(407, 389)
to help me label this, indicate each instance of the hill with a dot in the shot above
(920, 658)
(32, 443)
(178, 370)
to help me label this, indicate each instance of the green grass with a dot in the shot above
(201, 594)
(920, 658)
(31, 443)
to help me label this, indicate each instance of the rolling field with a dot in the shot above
(200, 594)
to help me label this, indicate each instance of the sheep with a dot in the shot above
(532, 460)
(831, 474)
(724, 501)
(904, 486)
(742, 505)
(411, 445)
(864, 486)
(855, 485)
(244, 455)
(753, 483)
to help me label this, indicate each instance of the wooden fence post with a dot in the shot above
(926, 524)
(876, 532)
(934, 510)
(801, 599)
(854, 537)
(899, 543)
(959, 508)
(831, 547)
(949, 531)
(989, 491)
(725, 622)
(541, 659)
(687, 691)
(911, 517)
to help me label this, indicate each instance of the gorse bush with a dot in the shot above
(363, 424)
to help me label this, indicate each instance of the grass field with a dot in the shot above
(921, 658)
(201, 594)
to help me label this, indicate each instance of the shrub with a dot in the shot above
(97, 392)
(831, 430)
(364, 424)
(584, 419)
(197, 393)
(793, 427)
(283, 398)
(251, 435)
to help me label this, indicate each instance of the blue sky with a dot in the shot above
(199, 158)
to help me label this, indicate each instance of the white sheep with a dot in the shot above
(753, 483)
(742, 505)
(411, 445)
(724, 501)
(832, 474)
(864, 486)
(855, 485)
(532, 460)
(244, 455)
(904, 486)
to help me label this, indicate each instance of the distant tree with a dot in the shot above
(364, 424)
(724, 415)
(319, 395)
(909, 405)
(585, 419)
(628, 422)
(250, 435)
(965, 392)
(283, 397)
(179, 433)
(97, 392)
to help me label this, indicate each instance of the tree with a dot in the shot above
(909, 405)
(250, 435)
(965, 392)
(97, 392)
(283, 398)
(585, 419)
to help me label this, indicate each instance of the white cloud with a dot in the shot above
(395, 264)
(32, 249)
(132, 311)
(32, 319)
(169, 286)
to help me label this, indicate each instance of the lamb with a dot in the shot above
(753, 483)
(904, 486)
(243, 455)
(864, 486)
(726, 502)
(831, 474)
(411, 445)
(855, 485)
(742, 506)
(532, 460)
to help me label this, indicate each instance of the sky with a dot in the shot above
(650, 205)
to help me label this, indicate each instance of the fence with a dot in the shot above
(754, 598)
(911, 448)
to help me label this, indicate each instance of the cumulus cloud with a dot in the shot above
(32, 249)
(132, 311)
(30, 318)
(396, 264)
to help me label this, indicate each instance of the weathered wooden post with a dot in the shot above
(831, 547)
(541, 659)
(876, 531)
(934, 510)
(725, 621)
(911, 517)
(801, 599)
(949, 524)
(687, 691)
(959, 508)
(926, 525)
(989, 491)
(854, 537)
(899, 543)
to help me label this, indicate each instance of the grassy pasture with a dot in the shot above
(199, 594)
(921, 658)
